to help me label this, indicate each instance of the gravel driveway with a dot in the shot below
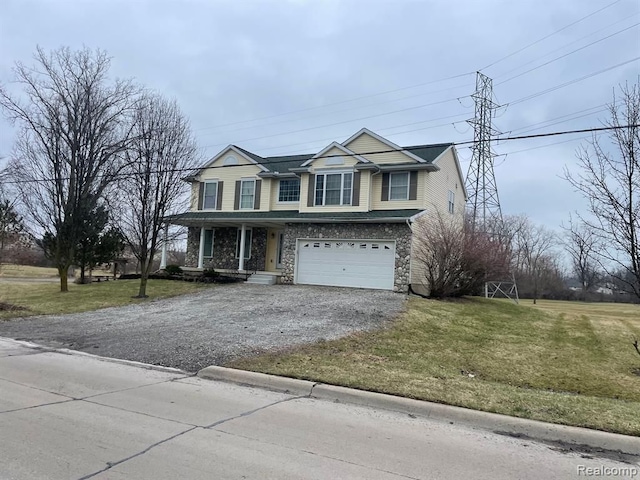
(214, 326)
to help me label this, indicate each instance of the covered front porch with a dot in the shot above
(233, 247)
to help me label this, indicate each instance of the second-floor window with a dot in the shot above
(210, 195)
(399, 186)
(334, 188)
(247, 194)
(289, 190)
(452, 201)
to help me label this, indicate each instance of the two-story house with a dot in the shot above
(340, 217)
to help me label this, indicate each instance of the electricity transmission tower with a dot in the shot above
(484, 202)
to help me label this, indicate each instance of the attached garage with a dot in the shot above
(363, 263)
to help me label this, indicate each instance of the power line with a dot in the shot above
(596, 109)
(567, 45)
(459, 116)
(375, 152)
(569, 53)
(551, 34)
(547, 145)
(270, 124)
(557, 87)
(338, 103)
(337, 123)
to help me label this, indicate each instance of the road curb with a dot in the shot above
(261, 380)
(67, 351)
(561, 435)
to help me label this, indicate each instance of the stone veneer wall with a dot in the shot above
(193, 241)
(224, 249)
(400, 232)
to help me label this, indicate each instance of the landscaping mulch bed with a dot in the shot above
(184, 278)
(9, 307)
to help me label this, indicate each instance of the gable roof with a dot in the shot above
(423, 154)
(389, 143)
(340, 147)
(255, 159)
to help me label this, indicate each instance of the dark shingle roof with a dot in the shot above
(428, 152)
(282, 163)
(293, 216)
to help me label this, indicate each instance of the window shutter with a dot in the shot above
(413, 185)
(201, 196)
(385, 187)
(236, 202)
(219, 200)
(356, 189)
(256, 199)
(311, 190)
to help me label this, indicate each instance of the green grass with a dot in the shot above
(46, 298)
(26, 271)
(559, 362)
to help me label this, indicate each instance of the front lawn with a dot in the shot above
(46, 298)
(559, 362)
(26, 271)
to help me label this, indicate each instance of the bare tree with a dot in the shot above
(611, 184)
(582, 245)
(534, 244)
(163, 151)
(455, 259)
(74, 127)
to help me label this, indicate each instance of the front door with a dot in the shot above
(279, 250)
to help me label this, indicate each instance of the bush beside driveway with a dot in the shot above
(215, 326)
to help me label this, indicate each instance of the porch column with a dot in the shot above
(243, 233)
(201, 249)
(163, 257)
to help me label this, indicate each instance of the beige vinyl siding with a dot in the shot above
(366, 143)
(417, 278)
(195, 193)
(229, 175)
(364, 197)
(378, 204)
(439, 183)
(349, 160)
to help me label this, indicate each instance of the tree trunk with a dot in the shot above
(142, 292)
(144, 276)
(82, 274)
(62, 272)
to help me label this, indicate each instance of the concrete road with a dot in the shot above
(76, 417)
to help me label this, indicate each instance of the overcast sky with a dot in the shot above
(279, 77)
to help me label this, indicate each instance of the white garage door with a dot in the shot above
(346, 263)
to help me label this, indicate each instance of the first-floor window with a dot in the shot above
(208, 243)
(452, 201)
(247, 194)
(247, 243)
(334, 188)
(210, 195)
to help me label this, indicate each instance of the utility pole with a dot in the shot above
(482, 189)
